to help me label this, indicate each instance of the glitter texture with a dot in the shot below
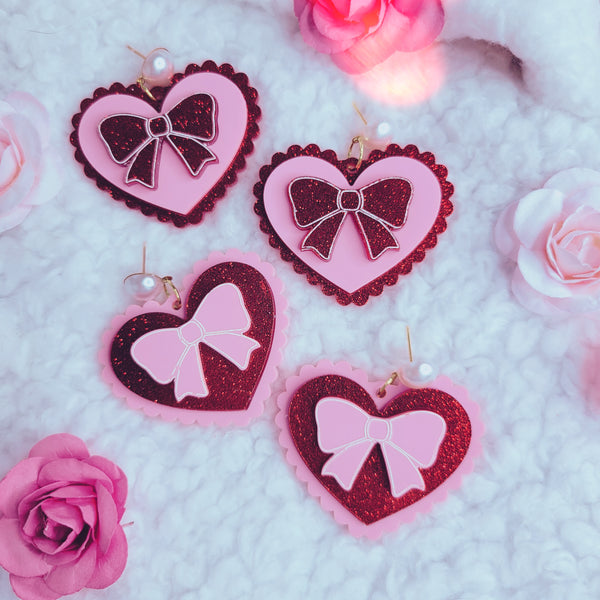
(207, 202)
(370, 498)
(138, 140)
(376, 208)
(230, 388)
(348, 168)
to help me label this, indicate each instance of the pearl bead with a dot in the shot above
(378, 136)
(157, 68)
(143, 286)
(417, 375)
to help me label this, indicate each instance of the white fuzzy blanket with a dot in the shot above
(218, 513)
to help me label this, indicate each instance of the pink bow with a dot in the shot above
(135, 140)
(174, 353)
(409, 442)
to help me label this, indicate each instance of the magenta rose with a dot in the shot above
(553, 235)
(360, 34)
(60, 510)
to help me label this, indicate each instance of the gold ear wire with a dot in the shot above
(140, 80)
(394, 375)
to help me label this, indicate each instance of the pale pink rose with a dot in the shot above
(28, 174)
(59, 520)
(553, 234)
(359, 34)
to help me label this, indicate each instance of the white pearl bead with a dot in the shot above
(417, 375)
(378, 136)
(157, 68)
(143, 286)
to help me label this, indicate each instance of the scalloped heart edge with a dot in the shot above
(390, 277)
(187, 416)
(328, 502)
(229, 177)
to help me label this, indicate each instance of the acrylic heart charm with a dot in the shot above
(353, 230)
(375, 463)
(172, 157)
(213, 360)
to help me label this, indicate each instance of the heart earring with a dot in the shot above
(353, 225)
(375, 463)
(210, 356)
(170, 144)
(144, 286)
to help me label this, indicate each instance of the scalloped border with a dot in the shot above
(229, 177)
(340, 513)
(374, 287)
(186, 416)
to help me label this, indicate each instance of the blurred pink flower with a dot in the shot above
(553, 234)
(359, 34)
(28, 175)
(59, 520)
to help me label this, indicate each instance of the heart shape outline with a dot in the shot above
(329, 377)
(284, 235)
(263, 362)
(200, 193)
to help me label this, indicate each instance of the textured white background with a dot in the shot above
(218, 513)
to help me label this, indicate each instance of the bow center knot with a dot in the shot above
(378, 430)
(350, 200)
(192, 332)
(159, 126)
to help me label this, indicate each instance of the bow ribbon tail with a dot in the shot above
(234, 346)
(192, 152)
(376, 234)
(402, 469)
(189, 380)
(323, 235)
(143, 164)
(346, 463)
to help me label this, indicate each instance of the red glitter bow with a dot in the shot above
(137, 140)
(377, 208)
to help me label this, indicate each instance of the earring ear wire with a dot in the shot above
(144, 286)
(157, 69)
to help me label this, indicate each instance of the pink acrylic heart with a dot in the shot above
(177, 196)
(350, 273)
(300, 424)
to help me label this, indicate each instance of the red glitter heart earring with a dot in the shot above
(144, 286)
(376, 460)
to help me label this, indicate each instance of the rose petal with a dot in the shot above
(63, 514)
(32, 588)
(107, 518)
(532, 299)
(111, 565)
(426, 20)
(70, 578)
(118, 478)
(9, 167)
(60, 445)
(88, 508)
(35, 497)
(52, 547)
(25, 104)
(75, 490)
(534, 216)
(14, 217)
(33, 523)
(570, 181)
(336, 29)
(535, 271)
(16, 556)
(19, 481)
(314, 38)
(72, 470)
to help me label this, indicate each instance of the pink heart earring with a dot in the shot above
(354, 225)
(170, 144)
(144, 286)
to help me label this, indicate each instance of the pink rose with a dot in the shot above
(359, 34)
(59, 520)
(28, 175)
(553, 234)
